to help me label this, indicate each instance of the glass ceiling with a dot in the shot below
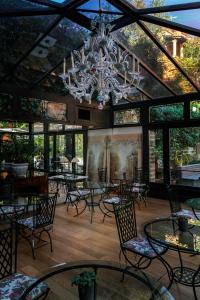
(27, 60)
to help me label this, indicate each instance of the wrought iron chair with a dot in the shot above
(74, 197)
(12, 284)
(196, 282)
(175, 206)
(40, 221)
(130, 242)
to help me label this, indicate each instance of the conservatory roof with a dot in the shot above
(164, 34)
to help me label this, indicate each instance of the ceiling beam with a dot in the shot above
(160, 101)
(168, 8)
(169, 56)
(45, 3)
(171, 25)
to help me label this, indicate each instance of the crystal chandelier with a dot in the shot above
(101, 69)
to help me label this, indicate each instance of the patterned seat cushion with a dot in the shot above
(30, 222)
(79, 193)
(187, 213)
(141, 246)
(10, 210)
(113, 200)
(13, 287)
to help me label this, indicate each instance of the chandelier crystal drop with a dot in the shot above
(101, 68)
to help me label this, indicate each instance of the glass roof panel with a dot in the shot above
(94, 5)
(17, 36)
(152, 3)
(185, 17)
(137, 42)
(184, 48)
(64, 38)
(92, 16)
(7, 5)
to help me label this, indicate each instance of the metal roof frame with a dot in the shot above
(129, 13)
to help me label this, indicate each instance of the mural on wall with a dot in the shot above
(118, 150)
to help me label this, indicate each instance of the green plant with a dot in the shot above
(17, 150)
(84, 279)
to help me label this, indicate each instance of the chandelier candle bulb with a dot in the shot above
(72, 59)
(64, 66)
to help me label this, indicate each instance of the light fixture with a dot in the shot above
(101, 68)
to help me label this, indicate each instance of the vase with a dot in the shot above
(86, 292)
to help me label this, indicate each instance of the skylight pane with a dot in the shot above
(17, 36)
(7, 5)
(184, 48)
(151, 3)
(94, 5)
(138, 43)
(185, 17)
(64, 38)
(93, 16)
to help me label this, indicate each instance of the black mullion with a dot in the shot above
(44, 3)
(166, 155)
(186, 110)
(144, 120)
(168, 8)
(170, 24)
(160, 101)
(46, 147)
(169, 56)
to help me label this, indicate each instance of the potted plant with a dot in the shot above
(86, 285)
(17, 154)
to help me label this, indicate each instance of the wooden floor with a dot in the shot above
(74, 238)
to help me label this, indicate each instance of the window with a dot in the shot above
(38, 127)
(156, 155)
(130, 116)
(185, 156)
(39, 151)
(195, 109)
(55, 127)
(168, 112)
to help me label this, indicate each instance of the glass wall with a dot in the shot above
(168, 112)
(39, 151)
(79, 151)
(129, 116)
(156, 173)
(185, 156)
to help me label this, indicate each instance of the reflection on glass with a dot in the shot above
(39, 151)
(195, 109)
(185, 155)
(156, 155)
(55, 127)
(38, 127)
(166, 112)
(129, 116)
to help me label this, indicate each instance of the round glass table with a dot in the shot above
(108, 286)
(166, 232)
(194, 203)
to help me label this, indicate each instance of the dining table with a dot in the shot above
(168, 233)
(111, 281)
(67, 179)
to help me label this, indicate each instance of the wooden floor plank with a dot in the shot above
(74, 238)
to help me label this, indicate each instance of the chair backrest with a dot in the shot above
(175, 204)
(44, 211)
(126, 221)
(102, 174)
(8, 247)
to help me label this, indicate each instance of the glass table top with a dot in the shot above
(136, 285)
(193, 203)
(166, 232)
(22, 199)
